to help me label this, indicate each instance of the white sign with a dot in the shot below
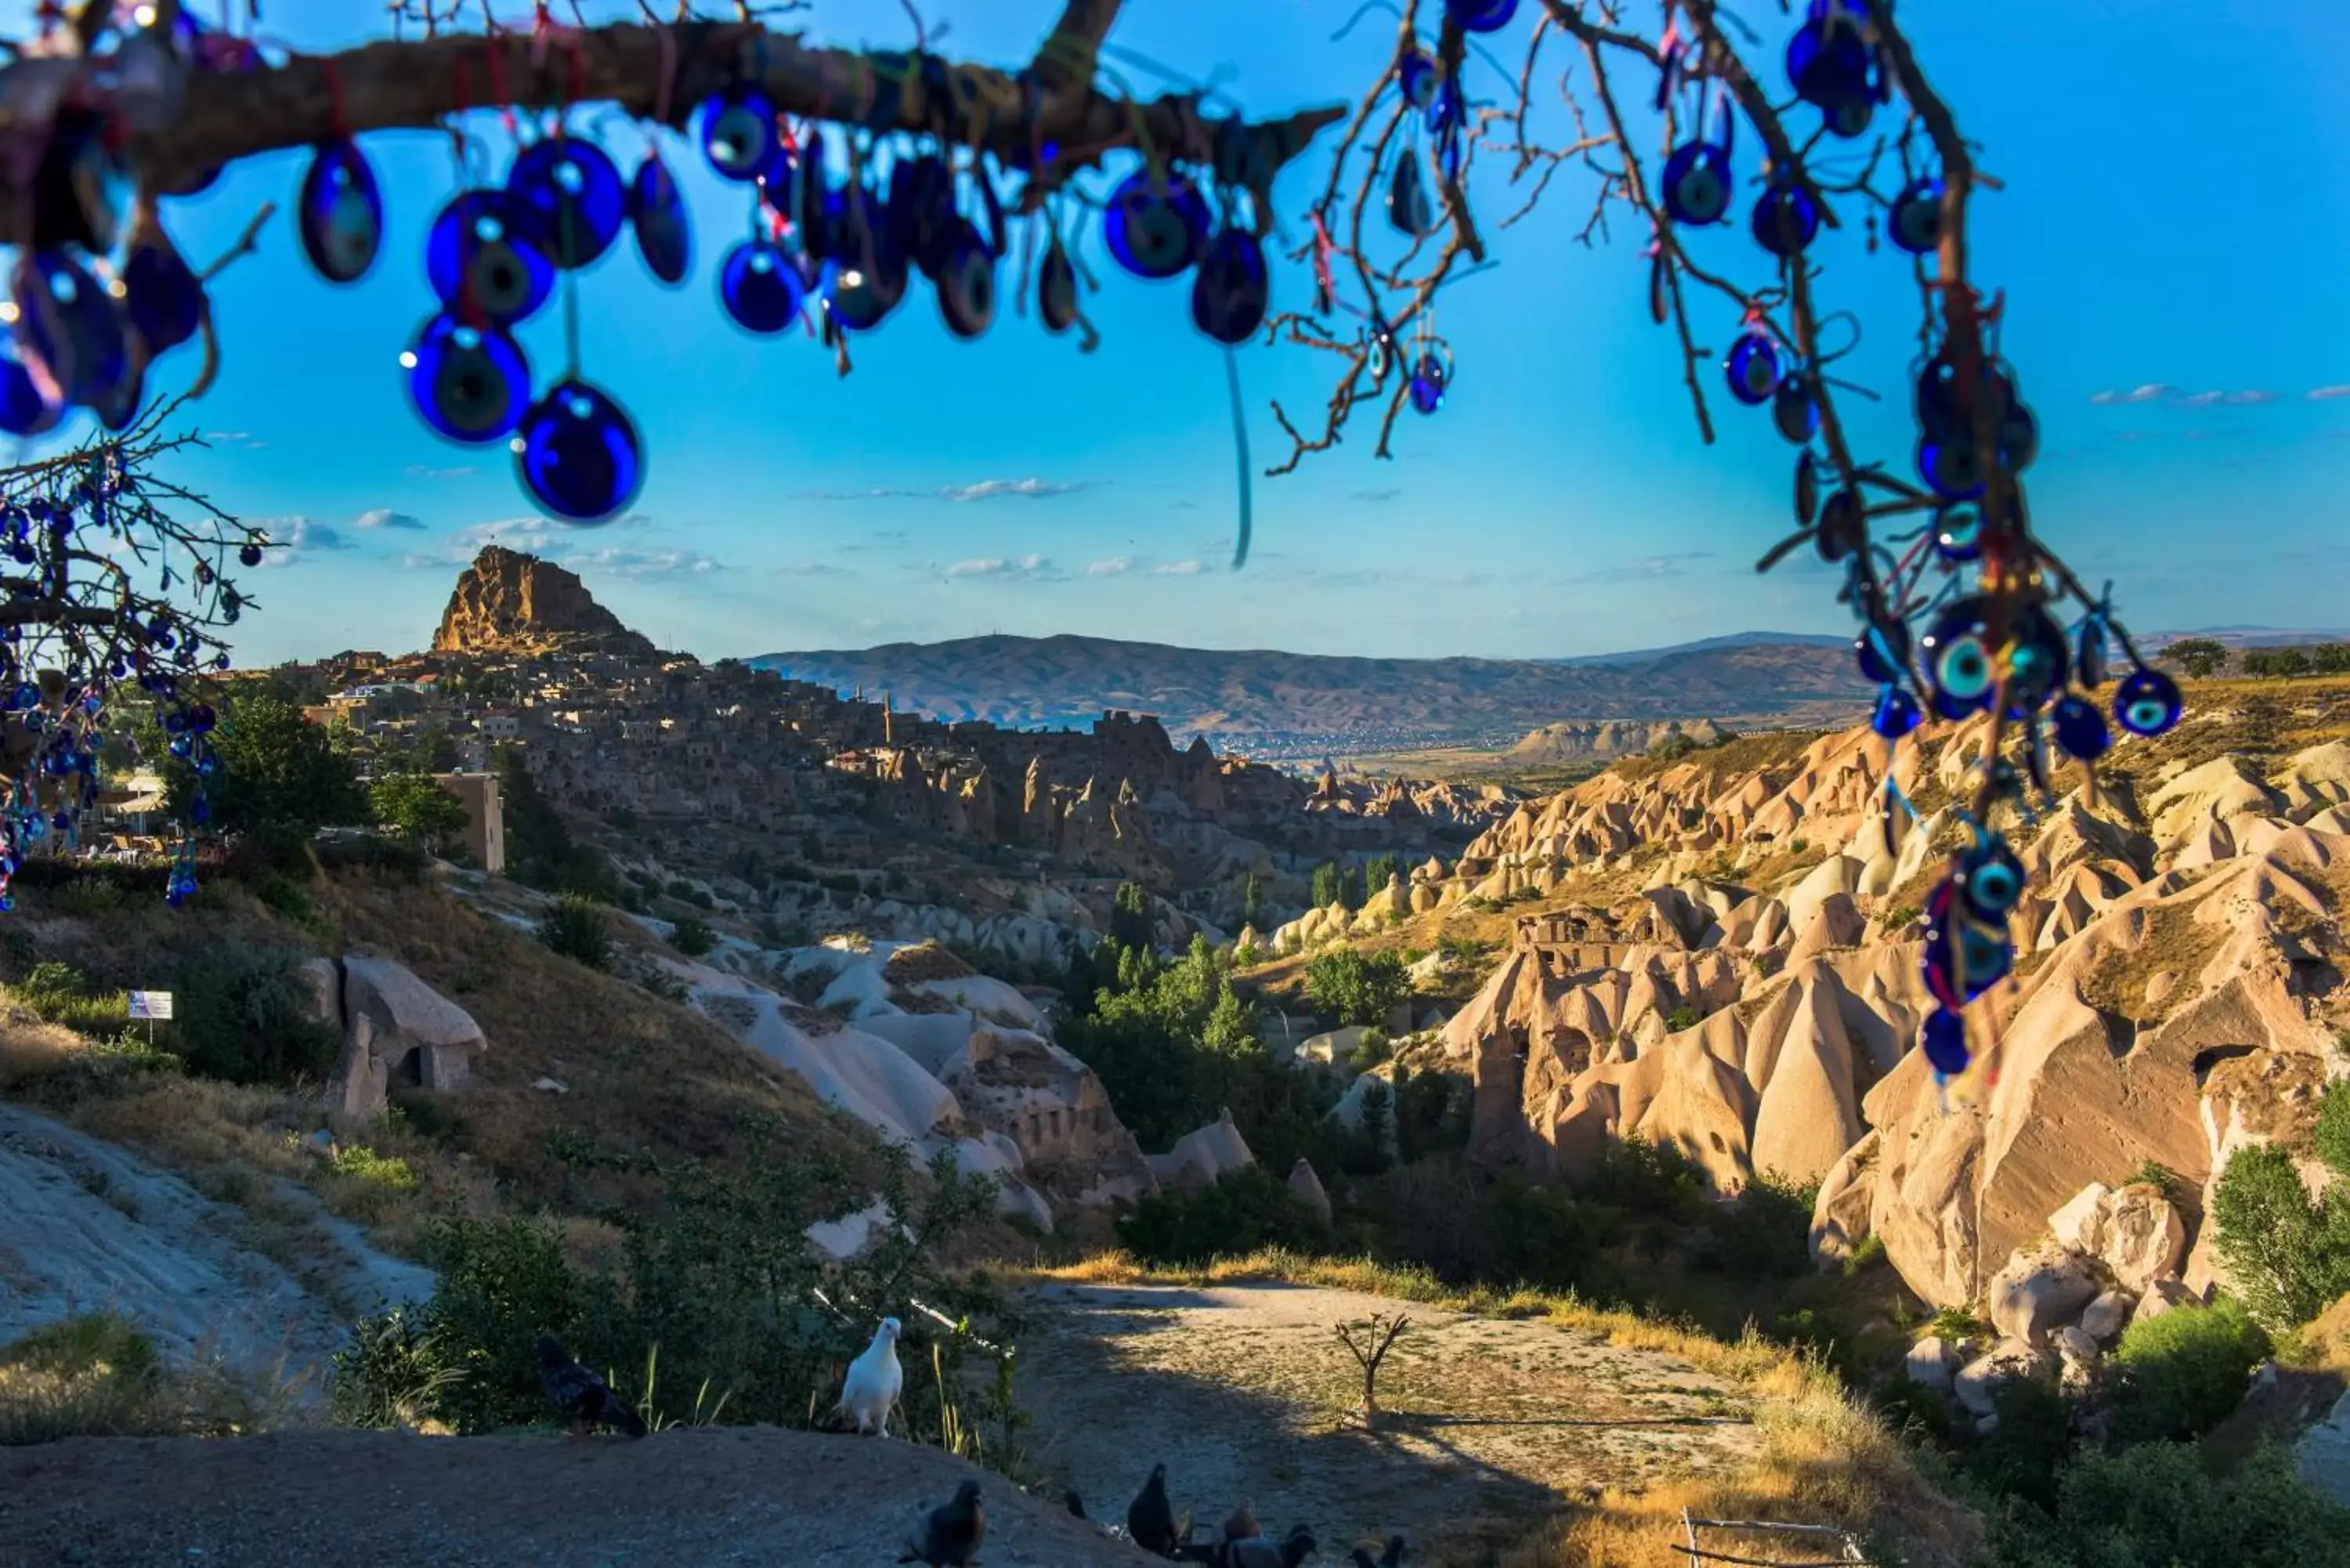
(150, 1004)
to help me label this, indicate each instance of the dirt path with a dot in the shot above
(87, 1227)
(1246, 1394)
(705, 1499)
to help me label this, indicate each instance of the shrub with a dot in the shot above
(1239, 1213)
(2179, 1374)
(693, 938)
(1354, 987)
(241, 1015)
(2155, 1506)
(413, 806)
(2289, 1257)
(1765, 1231)
(60, 993)
(2332, 1135)
(99, 1375)
(1682, 1018)
(576, 927)
(721, 1289)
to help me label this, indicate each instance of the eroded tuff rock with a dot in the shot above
(2186, 950)
(508, 601)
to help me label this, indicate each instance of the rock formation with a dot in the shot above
(2184, 935)
(510, 602)
(395, 1028)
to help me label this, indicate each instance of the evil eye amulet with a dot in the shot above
(1057, 289)
(1786, 219)
(1958, 532)
(340, 215)
(573, 197)
(471, 383)
(1792, 410)
(1944, 1042)
(1883, 648)
(759, 287)
(2148, 703)
(1753, 368)
(1896, 713)
(657, 214)
(1957, 659)
(1480, 15)
(2080, 728)
(480, 254)
(2038, 659)
(162, 297)
(967, 283)
(1415, 73)
(1915, 225)
(1228, 291)
(578, 454)
(1697, 184)
(738, 134)
(68, 332)
(1156, 227)
(1828, 61)
(1427, 383)
(1991, 879)
(25, 410)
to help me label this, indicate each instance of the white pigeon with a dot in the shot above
(874, 1381)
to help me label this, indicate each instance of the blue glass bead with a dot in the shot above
(739, 132)
(340, 213)
(1697, 184)
(759, 287)
(578, 454)
(1752, 368)
(2080, 729)
(1991, 879)
(1229, 290)
(572, 197)
(1896, 713)
(1786, 219)
(2148, 703)
(1156, 226)
(1944, 1040)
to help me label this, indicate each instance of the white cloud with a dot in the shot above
(2323, 394)
(384, 517)
(984, 489)
(1179, 568)
(294, 539)
(419, 471)
(1116, 567)
(1032, 568)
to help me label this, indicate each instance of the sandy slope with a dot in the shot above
(699, 1499)
(86, 1226)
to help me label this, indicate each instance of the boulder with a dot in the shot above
(2040, 1288)
(1840, 1214)
(2322, 1455)
(1978, 1378)
(395, 1028)
(2080, 1225)
(2143, 1236)
(318, 983)
(2161, 1296)
(2077, 1345)
(1932, 1362)
(1202, 1155)
(2103, 1319)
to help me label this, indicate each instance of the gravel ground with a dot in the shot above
(686, 1498)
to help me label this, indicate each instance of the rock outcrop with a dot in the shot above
(510, 602)
(396, 1029)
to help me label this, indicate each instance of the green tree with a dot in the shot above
(1252, 901)
(1356, 987)
(2199, 656)
(1326, 886)
(2330, 657)
(540, 850)
(2332, 1135)
(415, 807)
(2290, 1257)
(693, 938)
(1379, 1115)
(1350, 886)
(1129, 918)
(1377, 872)
(279, 774)
(2179, 1374)
(2281, 662)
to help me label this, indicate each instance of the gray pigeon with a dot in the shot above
(579, 1394)
(1151, 1518)
(1077, 1504)
(950, 1537)
(1394, 1558)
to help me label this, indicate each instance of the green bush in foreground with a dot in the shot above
(2156, 1507)
(2179, 1374)
(577, 928)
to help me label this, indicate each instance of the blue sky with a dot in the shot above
(2172, 236)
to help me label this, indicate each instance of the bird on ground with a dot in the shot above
(950, 1537)
(1242, 1524)
(1077, 1504)
(1256, 1551)
(874, 1381)
(582, 1396)
(1393, 1559)
(1151, 1518)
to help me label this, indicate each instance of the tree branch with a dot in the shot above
(223, 117)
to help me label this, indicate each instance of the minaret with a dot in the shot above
(889, 718)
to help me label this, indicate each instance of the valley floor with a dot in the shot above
(698, 1499)
(1245, 1391)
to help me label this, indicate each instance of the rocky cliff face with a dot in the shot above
(2178, 987)
(510, 602)
(1600, 740)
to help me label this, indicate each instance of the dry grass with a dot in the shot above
(1826, 1460)
(99, 1376)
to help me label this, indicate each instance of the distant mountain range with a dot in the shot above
(1276, 703)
